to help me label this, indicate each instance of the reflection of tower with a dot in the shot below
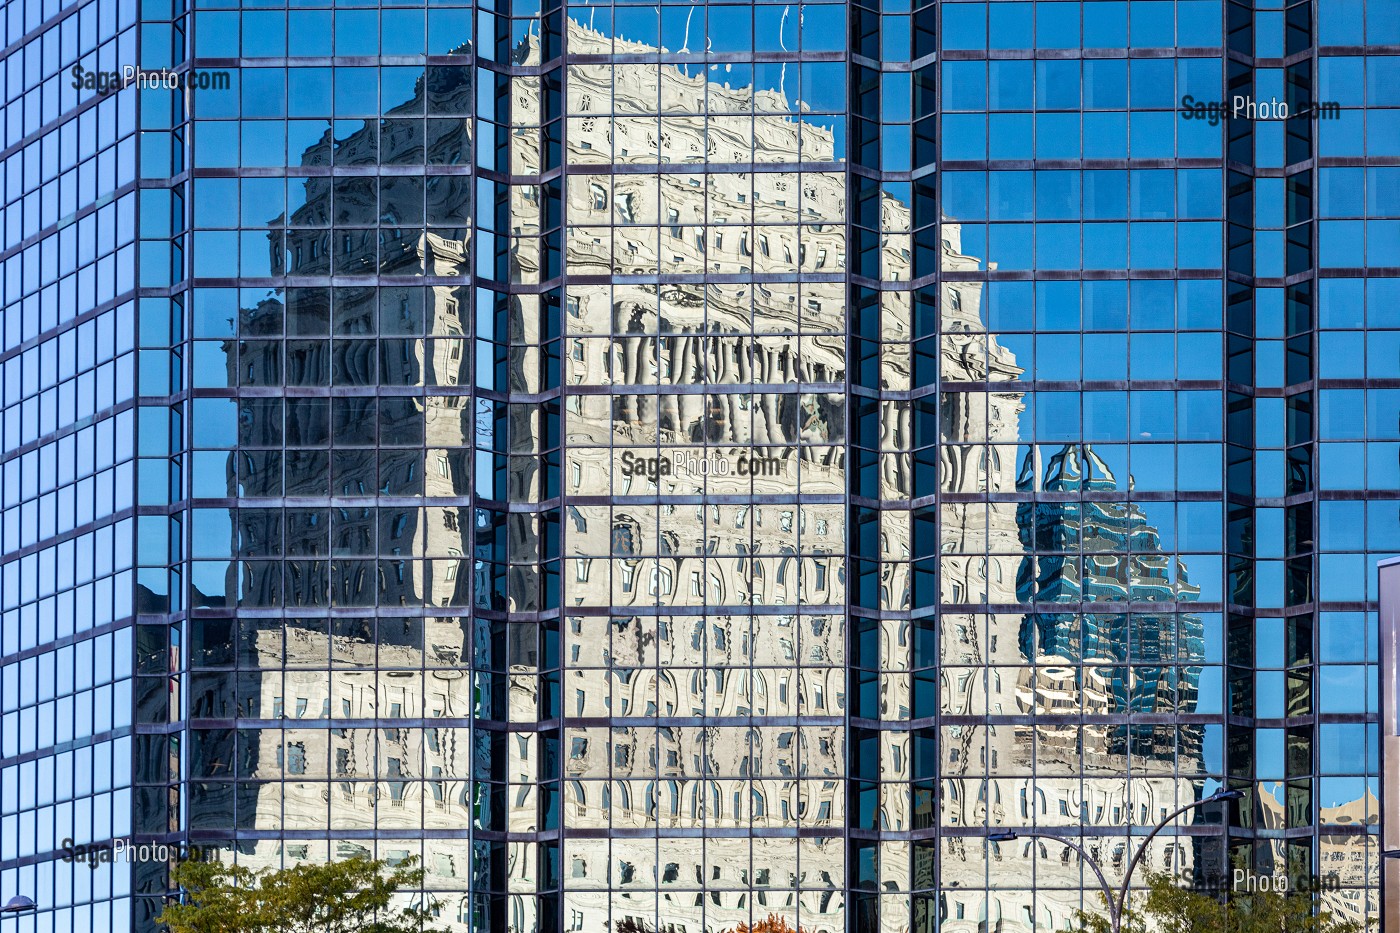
(1014, 537)
(1122, 562)
(1092, 550)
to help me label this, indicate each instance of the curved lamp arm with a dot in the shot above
(1083, 855)
(1117, 904)
(1217, 797)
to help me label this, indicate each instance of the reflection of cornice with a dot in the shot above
(680, 93)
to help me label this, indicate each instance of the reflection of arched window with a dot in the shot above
(625, 536)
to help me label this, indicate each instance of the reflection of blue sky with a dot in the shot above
(211, 536)
(210, 532)
(1340, 791)
(1213, 747)
(1210, 687)
(720, 29)
(1348, 688)
(1147, 219)
(1269, 698)
(691, 37)
(1268, 753)
(1348, 748)
(209, 578)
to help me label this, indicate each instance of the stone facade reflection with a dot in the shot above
(695, 748)
(338, 715)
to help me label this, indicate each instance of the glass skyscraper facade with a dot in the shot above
(667, 465)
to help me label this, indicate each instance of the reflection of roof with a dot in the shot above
(1363, 811)
(1088, 550)
(1093, 526)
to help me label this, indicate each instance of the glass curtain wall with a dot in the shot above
(667, 465)
(69, 352)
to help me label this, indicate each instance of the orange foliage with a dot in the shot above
(770, 924)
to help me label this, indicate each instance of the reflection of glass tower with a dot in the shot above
(1058, 710)
(1122, 562)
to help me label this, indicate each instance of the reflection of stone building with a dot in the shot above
(422, 343)
(683, 723)
(1343, 862)
(704, 681)
(306, 776)
(368, 441)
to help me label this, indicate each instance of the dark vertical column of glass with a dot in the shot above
(161, 490)
(490, 737)
(517, 531)
(1292, 206)
(922, 541)
(914, 340)
(1271, 401)
(489, 438)
(865, 741)
(892, 229)
(1240, 416)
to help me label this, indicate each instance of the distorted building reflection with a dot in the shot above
(628, 607)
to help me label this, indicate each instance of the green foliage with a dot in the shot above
(1169, 908)
(351, 896)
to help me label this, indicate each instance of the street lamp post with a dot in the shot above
(17, 905)
(1118, 901)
